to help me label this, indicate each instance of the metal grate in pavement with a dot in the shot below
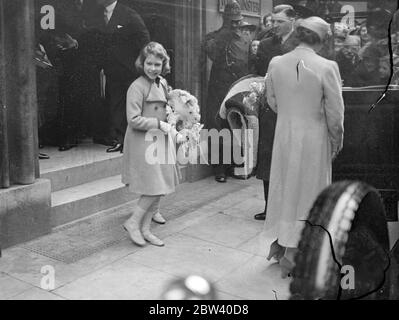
(73, 242)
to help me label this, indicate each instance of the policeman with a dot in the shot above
(228, 50)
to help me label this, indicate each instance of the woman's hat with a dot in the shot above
(317, 25)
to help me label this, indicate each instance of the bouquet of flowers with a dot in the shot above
(183, 114)
(253, 98)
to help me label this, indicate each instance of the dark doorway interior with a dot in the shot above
(160, 19)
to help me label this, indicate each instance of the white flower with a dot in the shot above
(256, 91)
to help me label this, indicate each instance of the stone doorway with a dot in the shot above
(161, 19)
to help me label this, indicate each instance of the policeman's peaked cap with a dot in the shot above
(232, 11)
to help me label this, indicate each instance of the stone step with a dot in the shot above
(86, 180)
(75, 176)
(86, 199)
(81, 165)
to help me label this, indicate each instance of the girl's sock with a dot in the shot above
(155, 209)
(147, 233)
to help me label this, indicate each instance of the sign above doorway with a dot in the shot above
(248, 7)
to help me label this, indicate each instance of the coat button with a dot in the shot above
(156, 108)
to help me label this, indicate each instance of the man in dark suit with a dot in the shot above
(72, 50)
(280, 43)
(125, 34)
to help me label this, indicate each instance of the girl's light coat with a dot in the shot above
(149, 155)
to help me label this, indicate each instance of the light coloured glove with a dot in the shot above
(181, 138)
(165, 127)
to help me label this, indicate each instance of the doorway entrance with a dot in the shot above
(160, 19)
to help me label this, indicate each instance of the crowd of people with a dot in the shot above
(84, 47)
(324, 7)
(295, 141)
(291, 131)
(364, 58)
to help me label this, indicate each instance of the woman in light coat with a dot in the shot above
(306, 92)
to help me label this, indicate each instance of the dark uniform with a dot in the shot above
(229, 53)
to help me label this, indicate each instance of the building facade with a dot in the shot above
(26, 208)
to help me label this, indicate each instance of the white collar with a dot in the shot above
(111, 7)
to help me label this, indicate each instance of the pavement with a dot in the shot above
(210, 232)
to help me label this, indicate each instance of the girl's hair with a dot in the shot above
(307, 36)
(156, 49)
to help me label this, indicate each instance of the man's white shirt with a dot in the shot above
(109, 10)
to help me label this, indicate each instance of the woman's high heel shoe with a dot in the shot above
(286, 267)
(276, 251)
